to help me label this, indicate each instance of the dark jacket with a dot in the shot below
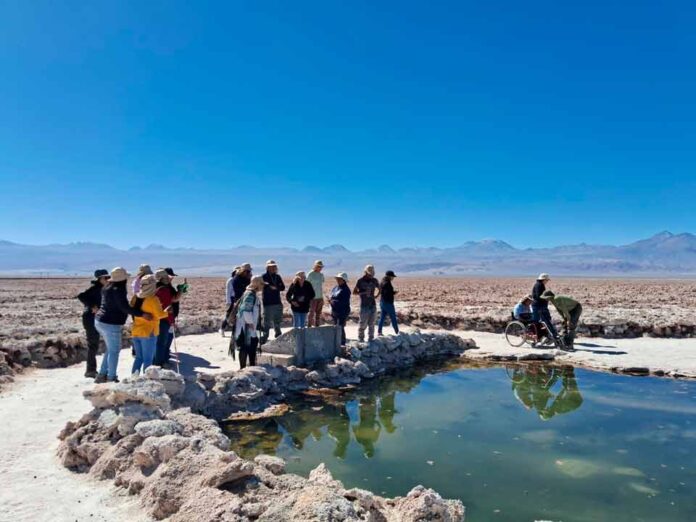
(114, 307)
(239, 284)
(270, 296)
(166, 294)
(340, 301)
(302, 295)
(386, 290)
(537, 301)
(91, 297)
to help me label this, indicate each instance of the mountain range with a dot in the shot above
(664, 254)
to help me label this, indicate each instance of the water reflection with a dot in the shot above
(366, 414)
(538, 389)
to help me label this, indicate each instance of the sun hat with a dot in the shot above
(370, 269)
(543, 277)
(119, 274)
(390, 273)
(300, 273)
(271, 262)
(548, 295)
(342, 275)
(143, 270)
(319, 262)
(161, 274)
(170, 271)
(148, 286)
(101, 273)
(245, 266)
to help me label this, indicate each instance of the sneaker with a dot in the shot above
(112, 379)
(90, 375)
(100, 378)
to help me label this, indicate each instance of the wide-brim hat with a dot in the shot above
(101, 272)
(119, 274)
(271, 262)
(342, 275)
(148, 286)
(543, 277)
(369, 269)
(245, 266)
(319, 262)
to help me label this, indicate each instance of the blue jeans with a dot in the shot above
(388, 309)
(164, 341)
(299, 320)
(111, 333)
(144, 352)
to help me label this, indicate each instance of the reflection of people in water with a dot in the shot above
(338, 427)
(368, 429)
(533, 387)
(387, 409)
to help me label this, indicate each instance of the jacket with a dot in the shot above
(538, 289)
(340, 301)
(564, 305)
(166, 295)
(114, 307)
(91, 297)
(141, 326)
(386, 290)
(239, 285)
(229, 291)
(270, 296)
(302, 295)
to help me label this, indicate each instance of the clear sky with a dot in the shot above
(291, 123)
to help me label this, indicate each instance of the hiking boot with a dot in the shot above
(100, 378)
(112, 379)
(90, 375)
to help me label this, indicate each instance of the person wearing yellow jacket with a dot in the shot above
(144, 331)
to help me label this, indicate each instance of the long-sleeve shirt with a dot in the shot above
(538, 289)
(340, 301)
(229, 291)
(143, 327)
(91, 297)
(521, 308)
(386, 290)
(316, 279)
(301, 295)
(114, 307)
(271, 296)
(564, 305)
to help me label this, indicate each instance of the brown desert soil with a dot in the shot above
(40, 319)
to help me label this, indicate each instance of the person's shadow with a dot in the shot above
(191, 364)
(600, 352)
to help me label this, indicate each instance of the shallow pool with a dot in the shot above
(518, 443)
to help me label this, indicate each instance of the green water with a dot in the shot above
(513, 443)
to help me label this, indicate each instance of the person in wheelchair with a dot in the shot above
(523, 310)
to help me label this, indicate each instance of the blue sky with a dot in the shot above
(292, 123)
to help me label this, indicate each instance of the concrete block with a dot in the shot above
(276, 359)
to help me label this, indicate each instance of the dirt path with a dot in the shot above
(35, 487)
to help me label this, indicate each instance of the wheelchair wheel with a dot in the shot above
(516, 333)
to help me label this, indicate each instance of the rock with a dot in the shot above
(275, 465)
(426, 504)
(157, 428)
(143, 391)
(229, 469)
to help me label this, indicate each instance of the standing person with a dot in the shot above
(145, 331)
(143, 270)
(241, 280)
(339, 299)
(109, 321)
(169, 299)
(316, 279)
(300, 295)
(229, 300)
(272, 302)
(570, 311)
(248, 314)
(91, 299)
(540, 306)
(386, 303)
(367, 287)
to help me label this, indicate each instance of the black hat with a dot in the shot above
(390, 273)
(101, 273)
(170, 271)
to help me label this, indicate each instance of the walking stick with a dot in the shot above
(176, 352)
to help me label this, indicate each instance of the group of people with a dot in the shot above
(535, 308)
(154, 307)
(255, 304)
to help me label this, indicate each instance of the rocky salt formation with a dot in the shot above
(179, 464)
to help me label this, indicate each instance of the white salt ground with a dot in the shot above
(35, 487)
